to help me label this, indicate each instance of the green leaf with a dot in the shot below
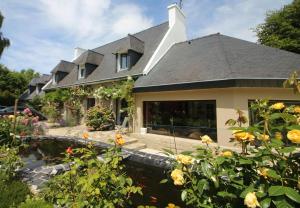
(167, 151)
(247, 190)
(183, 195)
(202, 185)
(293, 127)
(272, 173)
(265, 203)
(292, 194)
(245, 162)
(276, 190)
(164, 181)
(287, 149)
(282, 203)
(226, 194)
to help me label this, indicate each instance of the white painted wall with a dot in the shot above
(175, 34)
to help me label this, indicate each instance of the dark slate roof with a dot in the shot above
(90, 57)
(131, 43)
(43, 79)
(216, 58)
(150, 37)
(64, 66)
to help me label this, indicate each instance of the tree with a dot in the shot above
(29, 74)
(4, 42)
(282, 28)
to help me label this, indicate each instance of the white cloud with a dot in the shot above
(235, 18)
(44, 31)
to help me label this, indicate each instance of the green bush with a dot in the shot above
(91, 182)
(35, 203)
(10, 161)
(265, 176)
(12, 193)
(100, 118)
(5, 126)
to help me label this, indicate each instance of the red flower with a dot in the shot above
(69, 150)
(27, 111)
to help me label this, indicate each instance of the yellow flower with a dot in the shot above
(11, 117)
(171, 205)
(297, 109)
(251, 200)
(243, 136)
(294, 136)
(184, 159)
(277, 106)
(177, 176)
(206, 139)
(264, 137)
(278, 135)
(85, 135)
(226, 154)
(263, 172)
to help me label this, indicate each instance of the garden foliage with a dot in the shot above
(100, 118)
(91, 182)
(266, 175)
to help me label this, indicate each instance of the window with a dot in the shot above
(122, 61)
(189, 119)
(90, 103)
(55, 78)
(81, 72)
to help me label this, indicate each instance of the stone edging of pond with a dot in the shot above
(35, 178)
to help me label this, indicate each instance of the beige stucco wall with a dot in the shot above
(227, 101)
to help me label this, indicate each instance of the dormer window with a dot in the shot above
(81, 72)
(55, 78)
(122, 61)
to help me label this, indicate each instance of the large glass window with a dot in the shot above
(190, 119)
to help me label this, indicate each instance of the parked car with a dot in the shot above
(2, 106)
(10, 111)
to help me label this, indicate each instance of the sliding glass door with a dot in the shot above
(190, 119)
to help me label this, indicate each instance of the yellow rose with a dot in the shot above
(11, 117)
(226, 154)
(177, 176)
(294, 136)
(206, 139)
(85, 135)
(264, 137)
(171, 205)
(277, 106)
(184, 159)
(297, 109)
(243, 136)
(263, 172)
(251, 200)
(278, 135)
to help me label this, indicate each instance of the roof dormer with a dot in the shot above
(87, 62)
(62, 69)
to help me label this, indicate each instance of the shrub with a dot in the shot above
(5, 126)
(91, 182)
(266, 176)
(12, 193)
(10, 161)
(52, 112)
(35, 203)
(100, 118)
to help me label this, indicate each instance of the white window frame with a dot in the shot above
(80, 69)
(119, 61)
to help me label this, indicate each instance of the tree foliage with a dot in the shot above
(13, 84)
(282, 28)
(4, 42)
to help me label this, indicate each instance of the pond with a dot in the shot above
(50, 152)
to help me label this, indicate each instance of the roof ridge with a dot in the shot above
(131, 34)
(202, 37)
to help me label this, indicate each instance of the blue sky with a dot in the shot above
(42, 32)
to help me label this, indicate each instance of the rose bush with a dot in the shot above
(100, 118)
(91, 182)
(264, 174)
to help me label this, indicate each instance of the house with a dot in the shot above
(35, 87)
(183, 87)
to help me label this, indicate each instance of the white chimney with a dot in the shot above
(175, 34)
(175, 15)
(77, 52)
